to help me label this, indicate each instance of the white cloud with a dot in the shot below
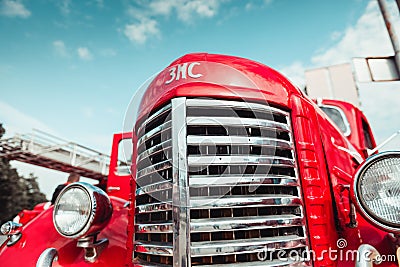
(140, 32)
(295, 73)
(10, 8)
(65, 7)
(60, 48)
(268, 2)
(380, 103)
(162, 7)
(84, 53)
(206, 9)
(146, 17)
(336, 35)
(249, 6)
(368, 37)
(186, 10)
(256, 4)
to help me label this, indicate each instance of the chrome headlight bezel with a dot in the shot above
(99, 214)
(367, 213)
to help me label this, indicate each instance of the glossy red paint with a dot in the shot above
(225, 77)
(40, 234)
(118, 185)
(26, 216)
(314, 179)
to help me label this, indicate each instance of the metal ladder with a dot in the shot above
(45, 150)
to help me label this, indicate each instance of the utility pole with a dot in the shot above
(392, 33)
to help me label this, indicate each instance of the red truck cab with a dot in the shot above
(232, 165)
(352, 123)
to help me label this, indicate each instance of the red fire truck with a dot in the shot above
(232, 166)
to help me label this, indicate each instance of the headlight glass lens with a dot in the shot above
(379, 190)
(72, 211)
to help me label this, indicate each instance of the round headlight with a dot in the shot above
(377, 190)
(81, 209)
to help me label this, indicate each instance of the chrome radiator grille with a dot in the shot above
(153, 209)
(238, 188)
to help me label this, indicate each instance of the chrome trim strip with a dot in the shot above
(154, 116)
(154, 207)
(244, 201)
(213, 248)
(154, 248)
(239, 140)
(245, 223)
(154, 228)
(153, 150)
(159, 129)
(151, 188)
(232, 180)
(240, 160)
(227, 224)
(206, 103)
(180, 190)
(238, 122)
(163, 165)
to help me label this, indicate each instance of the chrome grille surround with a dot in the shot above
(234, 190)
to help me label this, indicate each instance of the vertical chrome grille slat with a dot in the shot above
(234, 182)
(154, 190)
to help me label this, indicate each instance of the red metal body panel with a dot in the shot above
(355, 118)
(40, 234)
(114, 180)
(224, 77)
(26, 216)
(315, 183)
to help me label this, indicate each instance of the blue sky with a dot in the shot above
(71, 67)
